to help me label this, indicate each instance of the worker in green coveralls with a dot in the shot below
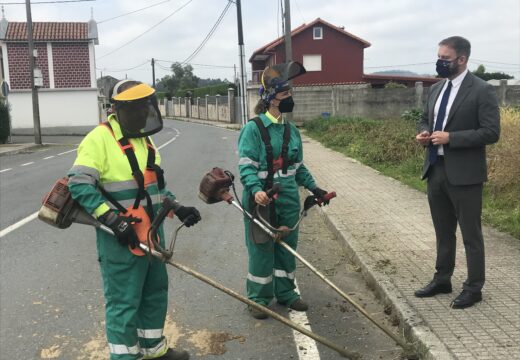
(270, 151)
(117, 178)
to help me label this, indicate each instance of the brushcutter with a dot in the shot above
(60, 210)
(215, 187)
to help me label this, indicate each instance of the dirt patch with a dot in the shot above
(51, 353)
(208, 343)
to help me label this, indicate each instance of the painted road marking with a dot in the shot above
(48, 157)
(66, 152)
(305, 346)
(20, 223)
(29, 163)
(1, 171)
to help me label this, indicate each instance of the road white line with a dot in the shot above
(1, 171)
(305, 346)
(66, 152)
(171, 140)
(20, 223)
(48, 157)
(29, 163)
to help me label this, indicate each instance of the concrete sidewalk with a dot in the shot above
(387, 229)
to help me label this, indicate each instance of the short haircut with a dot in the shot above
(461, 45)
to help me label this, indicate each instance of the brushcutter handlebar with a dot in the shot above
(166, 206)
(326, 197)
(272, 193)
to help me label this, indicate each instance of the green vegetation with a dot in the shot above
(4, 121)
(389, 146)
(221, 89)
(481, 73)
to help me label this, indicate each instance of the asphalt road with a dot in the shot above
(51, 300)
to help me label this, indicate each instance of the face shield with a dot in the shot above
(276, 78)
(137, 111)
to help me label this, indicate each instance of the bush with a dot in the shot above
(394, 85)
(201, 92)
(4, 121)
(412, 115)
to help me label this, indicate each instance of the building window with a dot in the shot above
(312, 62)
(317, 33)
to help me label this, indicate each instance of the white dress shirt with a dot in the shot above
(455, 86)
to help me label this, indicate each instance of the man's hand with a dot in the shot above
(122, 228)
(261, 198)
(188, 215)
(423, 138)
(440, 137)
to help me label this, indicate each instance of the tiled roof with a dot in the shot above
(48, 31)
(270, 46)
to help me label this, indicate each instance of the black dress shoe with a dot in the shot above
(466, 299)
(433, 288)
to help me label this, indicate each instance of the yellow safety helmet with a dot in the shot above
(136, 108)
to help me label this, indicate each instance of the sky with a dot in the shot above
(404, 33)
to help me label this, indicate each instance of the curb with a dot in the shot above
(18, 148)
(412, 326)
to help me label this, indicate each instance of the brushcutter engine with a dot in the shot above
(215, 185)
(58, 207)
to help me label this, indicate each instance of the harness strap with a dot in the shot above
(266, 138)
(128, 149)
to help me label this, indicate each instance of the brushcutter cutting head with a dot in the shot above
(214, 186)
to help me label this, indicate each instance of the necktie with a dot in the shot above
(438, 123)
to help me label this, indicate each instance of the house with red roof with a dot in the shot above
(66, 69)
(330, 55)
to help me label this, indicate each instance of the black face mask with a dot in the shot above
(444, 68)
(286, 105)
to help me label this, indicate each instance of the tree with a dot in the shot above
(481, 73)
(182, 78)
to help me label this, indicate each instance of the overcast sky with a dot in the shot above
(404, 33)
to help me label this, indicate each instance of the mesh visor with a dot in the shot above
(139, 118)
(277, 77)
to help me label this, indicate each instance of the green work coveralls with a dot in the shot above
(135, 287)
(271, 267)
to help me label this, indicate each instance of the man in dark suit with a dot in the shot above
(460, 118)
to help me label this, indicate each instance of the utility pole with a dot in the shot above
(288, 41)
(153, 72)
(243, 90)
(287, 22)
(35, 104)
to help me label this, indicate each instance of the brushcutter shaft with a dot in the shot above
(342, 351)
(344, 295)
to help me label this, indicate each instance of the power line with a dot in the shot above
(45, 2)
(148, 30)
(122, 70)
(206, 65)
(495, 62)
(217, 23)
(132, 12)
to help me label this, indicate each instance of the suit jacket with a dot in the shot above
(473, 122)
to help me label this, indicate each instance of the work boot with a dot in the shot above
(174, 355)
(257, 314)
(299, 305)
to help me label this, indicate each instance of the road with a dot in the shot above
(51, 296)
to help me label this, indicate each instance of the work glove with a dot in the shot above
(319, 195)
(188, 215)
(122, 227)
